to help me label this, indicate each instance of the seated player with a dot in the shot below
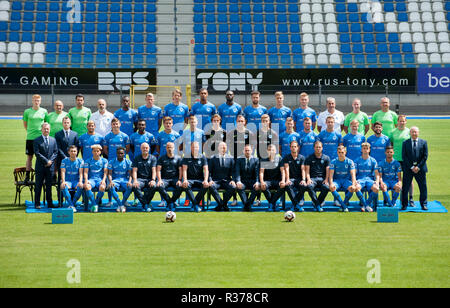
(294, 174)
(72, 177)
(95, 171)
(144, 177)
(119, 176)
(246, 177)
(367, 176)
(168, 174)
(287, 137)
(317, 168)
(343, 178)
(195, 175)
(221, 168)
(390, 177)
(271, 177)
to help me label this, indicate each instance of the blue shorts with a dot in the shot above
(390, 184)
(95, 183)
(121, 184)
(342, 185)
(71, 185)
(366, 184)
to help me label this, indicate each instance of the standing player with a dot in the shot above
(119, 176)
(151, 114)
(72, 177)
(330, 139)
(359, 116)
(178, 111)
(294, 174)
(386, 117)
(304, 112)
(317, 169)
(239, 137)
(203, 110)
(378, 142)
(279, 113)
(95, 172)
(168, 174)
(139, 137)
(367, 177)
(254, 112)
(331, 111)
(353, 141)
(128, 117)
(88, 140)
(307, 138)
(144, 177)
(193, 134)
(102, 118)
(271, 177)
(165, 136)
(287, 137)
(80, 115)
(115, 139)
(195, 175)
(56, 117)
(214, 135)
(246, 177)
(265, 137)
(390, 177)
(228, 111)
(33, 118)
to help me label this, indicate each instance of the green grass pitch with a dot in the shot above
(225, 249)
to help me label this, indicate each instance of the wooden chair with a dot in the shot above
(19, 182)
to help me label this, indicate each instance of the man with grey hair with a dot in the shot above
(102, 118)
(331, 111)
(415, 155)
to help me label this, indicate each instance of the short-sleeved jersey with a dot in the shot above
(361, 117)
(169, 167)
(378, 146)
(120, 169)
(317, 165)
(300, 114)
(151, 117)
(79, 118)
(213, 138)
(279, 116)
(164, 138)
(144, 166)
(285, 142)
(295, 165)
(86, 141)
(365, 168)
(34, 119)
(253, 116)
(195, 167)
(189, 136)
(237, 141)
(114, 141)
(388, 119)
(342, 169)
(137, 139)
(389, 171)
(353, 144)
(96, 167)
(55, 121)
(272, 170)
(398, 137)
(178, 114)
(228, 113)
(263, 140)
(127, 120)
(330, 142)
(72, 169)
(203, 112)
(307, 143)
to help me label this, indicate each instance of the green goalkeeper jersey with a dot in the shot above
(34, 120)
(398, 136)
(79, 118)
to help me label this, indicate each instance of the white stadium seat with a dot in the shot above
(25, 58)
(4, 5)
(413, 7)
(2, 57)
(305, 18)
(319, 38)
(391, 27)
(308, 38)
(316, 8)
(335, 59)
(403, 27)
(430, 37)
(330, 17)
(439, 16)
(331, 27)
(328, 8)
(333, 48)
(428, 27)
(417, 37)
(38, 58)
(13, 47)
(11, 57)
(319, 28)
(25, 47)
(425, 6)
(415, 16)
(422, 58)
(317, 18)
(2, 47)
(332, 38)
(416, 27)
(322, 59)
(405, 37)
(4, 16)
(435, 58)
(437, 6)
(306, 28)
(432, 47)
(444, 47)
(446, 58)
(378, 17)
(305, 8)
(441, 26)
(427, 16)
(308, 49)
(321, 49)
(310, 59)
(39, 47)
(443, 37)
(390, 17)
(419, 48)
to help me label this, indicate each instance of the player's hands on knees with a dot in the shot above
(233, 184)
(63, 185)
(80, 184)
(211, 183)
(282, 184)
(135, 184)
(332, 186)
(152, 183)
(383, 187)
(257, 186)
(302, 183)
(263, 185)
(87, 186)
(102, 187)
(185, 184)
(129, 184)
(205, 184)
(239, 185)
(308, 182)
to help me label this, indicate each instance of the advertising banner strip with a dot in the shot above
(433, 80)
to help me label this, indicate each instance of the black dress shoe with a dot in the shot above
(411, 203)
(247, 208)
(424, 207)
(404, 207)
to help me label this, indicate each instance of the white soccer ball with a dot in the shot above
(289, 216)
(171, 216)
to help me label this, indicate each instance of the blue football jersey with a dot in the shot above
(96, 167)
(163, 138)
(127, 120)
(86, 141)
(353, 144)
(365, 168)
(151, 117)
(137, 139)
(279, 116)
(120, 169)
(389, 171)
(253, 116)
(72, 169)
(285, 141)
(307, 143)
(203, 112)
(378, 146)
(330, 143)
(342, 169)
(178, 114)
(300, 114)
(114, 141)
(228, 113)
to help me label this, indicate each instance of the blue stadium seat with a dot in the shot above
(367, 27)
(103, 7)
(397, 58)
(236, 59)
(281, 18)
(113, 48)
(344, 38)
(100, 58)
(273, 59)
(76, 58)
(102, 48)
(384, 59)
(293, 8)
(234, 18)
(138, 8)
(271, 38)
(26, 26)
(151, 59)
(353, 17)
(199, 38)
(28, 6)
(89, 48)
(151, 48)
(343, 28)
(259, 38)
(114, 27)
(269, 18)
(340, 8)
(381, 48)
(345, 48)
(16, 6)
(296, 49)
(212, 59)
(126, 38)
(235, 38)
(356, 38)
(198, 28)
(283, 38)
(224, 48)
(246, 28)
(63, 58)
(27, 37)
(281, 8)
(272, 48)
(257, 8)
(77, 48)
(380, 38)
(211, 38)
(258, 28)
(368, 38)
(249, 59)
(236, 48)
(347, 59)
(234, 28)
(400, 7)
(269, 8)
(223, 38)
(284, 48)
(261, 59)
(15, 26)
(38, 37)
(355, 27)
(211, 48)
(358, 48)
(50, 58)
(393, 37)
(372, 59)
(352, 8)
(409, 58)
(407, 47)
(77, 37)
(150, 18)
(379, 27)
(394, 48)
(297, 59)
(151, 38)
(293, 18)
(125, 48)
(50, 47)
(295, 38)
(210, 18)
(270, 28)
(341, 17)
(233, 8)
(222, 18)
(247, 49)
(260, 48)
(151, 8)
(369, 48)
(359, 59)
(224, 59)
(88, 59)
(388, 7)
(139, 17)
(258, 18)
(51, 37)
(294, 28)
(247, 38)
(41, 6)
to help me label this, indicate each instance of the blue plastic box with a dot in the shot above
(62, 216)
(387, 214)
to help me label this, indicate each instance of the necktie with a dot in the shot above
(415, 149)
(67, 135)
(221, 162)
(46, 142)
(247, 164)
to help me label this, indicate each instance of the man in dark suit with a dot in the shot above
(246, 177)
(64, 139)
(414, 155)
(221, 168)
(46, 151)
